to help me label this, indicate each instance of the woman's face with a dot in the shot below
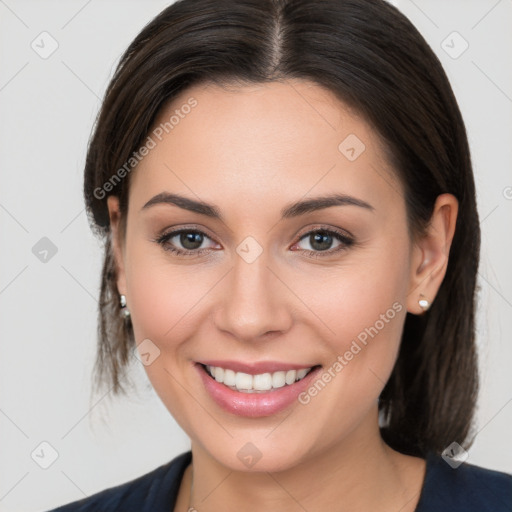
(267, 287)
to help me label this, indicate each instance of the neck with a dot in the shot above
(360, 473)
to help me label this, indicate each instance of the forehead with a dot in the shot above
(270, 142)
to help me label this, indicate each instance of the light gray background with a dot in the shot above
(48, 309)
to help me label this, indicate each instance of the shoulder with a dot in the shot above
(464, 488)
(155, 491)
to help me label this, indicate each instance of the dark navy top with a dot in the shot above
(467, 488)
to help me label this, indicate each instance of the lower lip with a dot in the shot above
(254, 405)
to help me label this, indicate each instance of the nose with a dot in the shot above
(254, 302)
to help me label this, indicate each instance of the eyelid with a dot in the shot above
(174, 230)
(323, 227)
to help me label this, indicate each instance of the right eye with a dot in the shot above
(190, 239)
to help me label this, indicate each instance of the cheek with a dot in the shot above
(364, 295)
(163, 298)
(362, 307)
(161, 295)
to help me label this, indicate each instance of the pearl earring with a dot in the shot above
(423, 302)
(124, 309)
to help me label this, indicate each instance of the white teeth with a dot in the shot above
(247, 383)
(301, 373)
(243, 381)
(278, 379)
(219, 374)
(262, 382)
(229, 378)
(291, 375)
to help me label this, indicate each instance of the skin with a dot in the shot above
(252, 150)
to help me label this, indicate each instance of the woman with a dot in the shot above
(291, 236)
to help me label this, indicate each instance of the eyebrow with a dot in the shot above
(292, 210)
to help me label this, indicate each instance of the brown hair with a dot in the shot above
(374, 60)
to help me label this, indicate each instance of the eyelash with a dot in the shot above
(345, 240)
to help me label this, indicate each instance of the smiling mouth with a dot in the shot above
(259, 383)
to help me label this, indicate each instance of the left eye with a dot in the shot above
(322, 241)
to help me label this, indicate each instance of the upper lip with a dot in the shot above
(257, 367)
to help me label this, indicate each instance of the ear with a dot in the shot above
(117, 242)
(430, 253)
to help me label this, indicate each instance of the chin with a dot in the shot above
(258, 457)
